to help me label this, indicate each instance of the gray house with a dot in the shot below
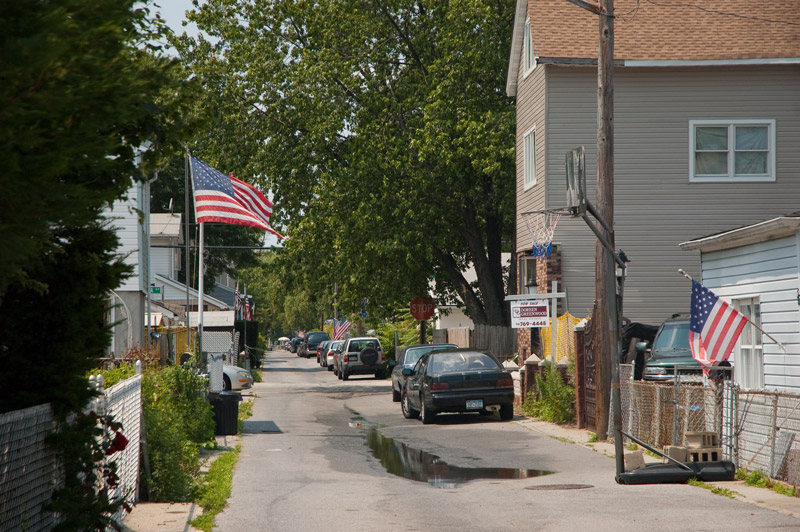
(757, 269)
(707, 135)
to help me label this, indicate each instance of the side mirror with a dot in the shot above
(642, 346)
(408, 372)
(392, 363)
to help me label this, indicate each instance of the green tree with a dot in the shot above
(383, 128)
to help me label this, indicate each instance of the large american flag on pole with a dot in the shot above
(714, 327)
(340, 327)
(225, 199)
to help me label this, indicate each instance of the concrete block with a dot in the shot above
(677, 453)
(701, 439)
(634, 460)
(709, 454)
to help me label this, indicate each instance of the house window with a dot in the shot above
(528, 59)
(527, 274)
(737, 150)
(748, 356)
(529, 158)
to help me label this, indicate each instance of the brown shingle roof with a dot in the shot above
(671, 29)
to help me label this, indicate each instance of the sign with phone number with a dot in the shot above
(530, 313)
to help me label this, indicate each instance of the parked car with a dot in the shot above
(235, 378)
(407, 358)
(309, 346)
(334, 347)
(361, 356)
(294, 344)
(322, 350)
(460, 380)
(670, 351)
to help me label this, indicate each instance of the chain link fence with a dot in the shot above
(757, 430)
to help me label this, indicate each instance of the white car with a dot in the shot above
(235, 378)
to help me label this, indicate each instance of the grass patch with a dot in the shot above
(245, 412)
(632, 446)
(215, 490)
(760, 480)
(725, 492)
(592, 437)
(256, 373)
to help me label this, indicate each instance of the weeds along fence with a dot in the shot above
(757, 429)
(29, 469)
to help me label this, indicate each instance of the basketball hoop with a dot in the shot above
(541, 226)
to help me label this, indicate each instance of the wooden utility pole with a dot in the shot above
(607, 327)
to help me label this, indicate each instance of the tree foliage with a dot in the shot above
(383, 129)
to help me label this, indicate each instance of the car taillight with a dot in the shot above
(383, 356)
(438, 386)
(505, 383)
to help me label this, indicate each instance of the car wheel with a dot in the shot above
(226, 383)
(339, 374)
(426, 415)
(330, 368)
(345, 375)
(381, 375)
(395, 396)
(506, 412)
(405, 406)
(368, 356)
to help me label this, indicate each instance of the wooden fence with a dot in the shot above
(500, 341)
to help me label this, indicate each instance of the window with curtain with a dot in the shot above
(527, 274)
(742, 150)
(748, 355)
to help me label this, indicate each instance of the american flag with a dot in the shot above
(247, 304)
(714, 328)
(237, 298)
(225, 199)
(340, 327)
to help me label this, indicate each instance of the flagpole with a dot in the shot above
(754, 324)
(187, 277)
(200, 273)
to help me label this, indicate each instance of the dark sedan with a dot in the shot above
(407, 358)
(462, 380)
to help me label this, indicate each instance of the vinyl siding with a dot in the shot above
(125, 218)
(769, 271)
(656, 207)
(532, 114)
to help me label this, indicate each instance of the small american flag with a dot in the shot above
(247, 309)
(714, 327)
(237, 298)
(340, 327)
(225, 199)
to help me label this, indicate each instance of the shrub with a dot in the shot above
(554, 400)
(178, 418)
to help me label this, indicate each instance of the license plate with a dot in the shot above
(474, 404)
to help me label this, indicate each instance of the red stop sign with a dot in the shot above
(421, 308)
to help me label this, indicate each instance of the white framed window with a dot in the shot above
(527, 274)
(748, 355)
(529, 157)
(528, 59)
(731, 150)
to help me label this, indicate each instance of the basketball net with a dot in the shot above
(541, 226)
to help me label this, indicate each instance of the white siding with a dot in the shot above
(656, 207)
(161, 262)
(124, 216)
(530, 113)
(769, 271)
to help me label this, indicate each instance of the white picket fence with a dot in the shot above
(29, 471)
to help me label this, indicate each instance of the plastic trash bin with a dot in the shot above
(226, 412)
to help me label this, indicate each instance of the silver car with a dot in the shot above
(362, 356)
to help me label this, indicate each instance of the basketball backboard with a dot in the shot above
(576, 181)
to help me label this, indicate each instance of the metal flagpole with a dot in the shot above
(754, 324)
(187, 277)
(200, 271)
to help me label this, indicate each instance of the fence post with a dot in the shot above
(772, 436)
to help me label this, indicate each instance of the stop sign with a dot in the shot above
(421, 308)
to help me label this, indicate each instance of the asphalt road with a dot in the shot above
(306, 465)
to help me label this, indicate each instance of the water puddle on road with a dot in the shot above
(404, 461)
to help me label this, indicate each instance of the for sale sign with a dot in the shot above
(530, 313)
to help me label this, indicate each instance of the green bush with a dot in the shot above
(554, 400)
(178, 418)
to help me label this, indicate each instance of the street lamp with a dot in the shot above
(532, 287)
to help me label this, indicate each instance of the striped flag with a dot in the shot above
(714, 327)
(237, 298)
(340, 327)
(225, 199)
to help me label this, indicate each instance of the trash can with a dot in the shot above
(226, 412)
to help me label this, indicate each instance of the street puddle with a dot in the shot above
(404, 461)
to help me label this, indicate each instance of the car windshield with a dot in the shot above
(316, 337)
(458, 362)
(415, 353)
(673, 337)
